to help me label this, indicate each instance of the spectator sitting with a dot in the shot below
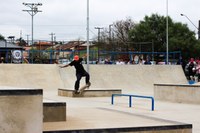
(147, 62)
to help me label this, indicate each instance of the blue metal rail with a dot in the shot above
(130, 99)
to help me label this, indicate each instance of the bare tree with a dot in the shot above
(116, 36)
(121, 31)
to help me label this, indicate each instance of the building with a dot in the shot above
(10, 53)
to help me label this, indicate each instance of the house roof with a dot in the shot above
(73, 44)
(70, 45)
(4, 44)
(44, 43)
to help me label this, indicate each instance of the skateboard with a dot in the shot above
(83, 88)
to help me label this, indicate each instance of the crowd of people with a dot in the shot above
(193, 69)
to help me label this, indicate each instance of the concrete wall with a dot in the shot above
(21, 111)
(45, 76)
(177, 93)
(129, 78)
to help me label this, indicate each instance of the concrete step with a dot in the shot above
(178, 93)
(97, 92)
(54, 111)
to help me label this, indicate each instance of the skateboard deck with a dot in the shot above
(83, 88)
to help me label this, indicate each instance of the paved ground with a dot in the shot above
(98, 112)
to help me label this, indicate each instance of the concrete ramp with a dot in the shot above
(133, 78)
(99, 115)
(129, 78)
(46, 77)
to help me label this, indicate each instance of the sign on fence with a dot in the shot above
(16, 56)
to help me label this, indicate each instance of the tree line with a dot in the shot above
(149, 35)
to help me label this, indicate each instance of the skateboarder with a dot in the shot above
(80, 72)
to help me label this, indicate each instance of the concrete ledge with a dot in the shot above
(54, 111)
(185, 128)
(89, 92)
(21, 110)
(177, 93)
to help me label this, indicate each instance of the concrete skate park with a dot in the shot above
(38, 98)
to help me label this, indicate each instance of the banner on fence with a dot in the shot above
(16, 56)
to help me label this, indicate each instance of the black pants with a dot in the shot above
(78, 78)
(191, 73)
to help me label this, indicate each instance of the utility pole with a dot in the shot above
(99, 31)
(33, 11)
(110, 31)
(110, 40)
(52, 38)
(27, 39)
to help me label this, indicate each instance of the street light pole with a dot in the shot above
(192, 24)
(167, 41)
(88, 54)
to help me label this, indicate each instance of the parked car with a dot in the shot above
(64, 61)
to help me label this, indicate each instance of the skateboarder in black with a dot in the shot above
(80, 72)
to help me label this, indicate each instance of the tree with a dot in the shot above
(22, 42)
(115, 38)
(121, 32)
(153, 29)
(2, 37)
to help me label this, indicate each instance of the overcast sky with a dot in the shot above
(67, 18)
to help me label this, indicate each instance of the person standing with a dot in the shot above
(191, 69)
(198, 71)
(80, 72)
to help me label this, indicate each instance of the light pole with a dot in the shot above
(167, 34)
(88, 54)
(192, 24)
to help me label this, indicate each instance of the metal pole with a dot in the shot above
(32, 31)
(88, 54)
(190, 21)
(193, 24)
(199, 31)
(34, 10)
(27, 39)
(98, 28)
(32, 38)
(167, 51)
(152, 51)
